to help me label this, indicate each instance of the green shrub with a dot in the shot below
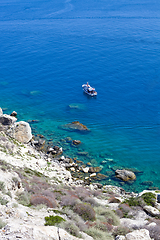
(71, 228)
(3, 201)
(108, 214)
(149, 198)
(85, 211)
(24, 198)
(120, 231)
(2, 186)
(98, 234)
(53, 220)
(80, 223)
(134, 201)
(2, 224)
(146, 198)
(9, 194)
(33, 172)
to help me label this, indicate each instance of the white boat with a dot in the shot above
(89, 90)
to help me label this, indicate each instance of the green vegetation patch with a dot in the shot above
(149, 198)
(53, 220)
(33, 172)
(3, 201)
(133, 201)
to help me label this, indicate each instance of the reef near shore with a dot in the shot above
(46, 195)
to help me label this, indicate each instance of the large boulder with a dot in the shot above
(125, 175)
(152, 211)
(141, 234)
(21, 131)
(7, 119)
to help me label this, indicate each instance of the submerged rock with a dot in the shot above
(75, 126)
(94, 169)
(82, 153)
(77, 106)
(76, 142)
(125, 175)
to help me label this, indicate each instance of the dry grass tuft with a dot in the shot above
(85, 210)
(40, 199)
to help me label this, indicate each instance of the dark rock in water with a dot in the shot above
(94, 169)
(101, 176)
(40, 135)
(88, 164)
(41, 142)
(114, 168)
(79, 162)
(75, 126)
(14, 114)
(82, 153)
(153, 188)
(76, 142)
(148, 183)
(33, 121)
(77, 106)
(68, 139)
(134, 170)
(55, 150)
(125, 175)
(110, 173)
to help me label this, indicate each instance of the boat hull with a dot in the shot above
(91, 93)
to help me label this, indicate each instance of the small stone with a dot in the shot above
(76, 142)
(72, 169)
(94, 169)
(85, 170)
(14, 114)
(86, 178)
(93, 175)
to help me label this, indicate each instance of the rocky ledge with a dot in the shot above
(40, 199)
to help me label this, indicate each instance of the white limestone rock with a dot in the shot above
(152, 211)
(36, 232)
(1, 112)
(7, 119)
(120, 237)
(141, 234)
(85, 170)
(21, 131)
(125, 175)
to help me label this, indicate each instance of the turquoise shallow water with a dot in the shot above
(49, 49)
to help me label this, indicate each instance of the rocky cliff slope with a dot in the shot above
(39, 198)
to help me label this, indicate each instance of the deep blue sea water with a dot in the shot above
(48, 49)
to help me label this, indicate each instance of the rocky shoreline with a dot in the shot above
(38, 181)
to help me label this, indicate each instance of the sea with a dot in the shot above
(48, 49)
